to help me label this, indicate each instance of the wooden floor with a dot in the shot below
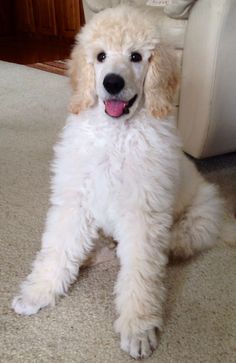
(29, 51)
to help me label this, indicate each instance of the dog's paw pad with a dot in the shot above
(22, 307)
(140, 346)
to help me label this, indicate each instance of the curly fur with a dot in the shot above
(81, 73)
(127, 176)
(162, 79)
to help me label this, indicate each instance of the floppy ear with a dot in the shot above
(82, 80)
(161, 82)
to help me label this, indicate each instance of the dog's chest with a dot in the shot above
(116, 173)
(114, 167)
(113, 164)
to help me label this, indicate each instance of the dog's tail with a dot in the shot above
(207, 222)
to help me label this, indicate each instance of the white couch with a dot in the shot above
(203, 32)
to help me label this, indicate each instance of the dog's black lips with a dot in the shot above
(130, 104)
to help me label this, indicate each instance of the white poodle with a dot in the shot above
(119, 167)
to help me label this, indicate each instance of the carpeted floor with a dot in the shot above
(200, 314)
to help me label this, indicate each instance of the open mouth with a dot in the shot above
(117, 108)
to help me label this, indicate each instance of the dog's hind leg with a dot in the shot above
(67, 239)
(199, 226)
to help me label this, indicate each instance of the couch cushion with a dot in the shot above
(179, 9)
(172, 30)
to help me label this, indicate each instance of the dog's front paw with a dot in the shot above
(32, 298)
(141, 345)
(24, 307)
(138, 337)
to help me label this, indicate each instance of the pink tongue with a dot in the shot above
(115, 108)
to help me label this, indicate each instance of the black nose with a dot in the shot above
(113, 83)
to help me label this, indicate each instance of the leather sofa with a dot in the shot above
(203, 33)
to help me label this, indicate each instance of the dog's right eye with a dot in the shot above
(135, 57)
(101, 56)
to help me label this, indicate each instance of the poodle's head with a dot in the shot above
(119, 61)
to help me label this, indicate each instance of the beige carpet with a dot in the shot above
(200, 319)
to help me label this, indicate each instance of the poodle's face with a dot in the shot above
(119, 78)
(118, 62)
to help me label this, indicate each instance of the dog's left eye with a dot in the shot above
(135, 57)
(101, 57)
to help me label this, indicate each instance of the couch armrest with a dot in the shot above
(207, 114)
